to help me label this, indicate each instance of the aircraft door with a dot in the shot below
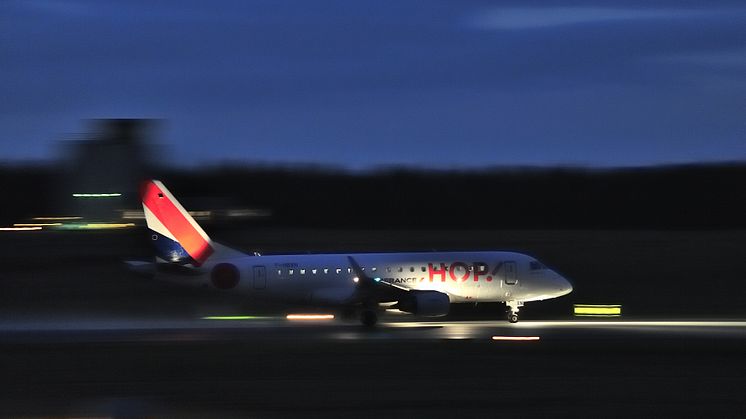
(260, 277)
(511, 273)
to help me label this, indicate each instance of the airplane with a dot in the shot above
(423, 284)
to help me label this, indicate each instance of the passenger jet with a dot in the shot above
(423, 284)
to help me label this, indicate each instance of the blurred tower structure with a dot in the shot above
(104, 170)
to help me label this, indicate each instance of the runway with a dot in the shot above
(273, 367)
(404, 328)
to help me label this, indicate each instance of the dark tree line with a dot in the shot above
(667, 197)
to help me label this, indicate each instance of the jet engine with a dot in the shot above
(425, 303)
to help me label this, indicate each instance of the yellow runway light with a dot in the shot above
(600, 310)
(20, 228)
(516, 338)
(310, 316)
(107, 225)
(36, 224)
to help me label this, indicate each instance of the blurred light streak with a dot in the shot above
(516, 338)
(531, 324)
(395, 311)
(96, 195)
(200, 214)
(36, 224)
(310, 316)
(234, 318)
(96, 226)
(20, 228)
(56, 218)
(247, 212)
(133, 215)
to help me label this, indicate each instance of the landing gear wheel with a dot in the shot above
(368, 318)
(513, 307)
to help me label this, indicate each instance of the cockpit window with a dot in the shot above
(535, 265)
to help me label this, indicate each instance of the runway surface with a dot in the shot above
(273, 367)
(260, 328)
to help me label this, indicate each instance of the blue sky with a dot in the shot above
(362, 84)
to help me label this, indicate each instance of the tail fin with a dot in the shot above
(176, 236)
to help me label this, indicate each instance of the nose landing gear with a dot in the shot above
(513, 308)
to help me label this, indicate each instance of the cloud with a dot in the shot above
(544, 17)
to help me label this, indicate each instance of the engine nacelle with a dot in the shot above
(425, 303)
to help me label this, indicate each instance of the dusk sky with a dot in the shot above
(360, 84)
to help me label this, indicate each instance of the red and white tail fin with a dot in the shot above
(177, 237)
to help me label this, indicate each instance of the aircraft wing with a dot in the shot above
(422, 302)
(373, 287)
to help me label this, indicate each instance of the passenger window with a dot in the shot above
(411, 269)
(313, 271)
(339, 270)
(424, 269)
(290, 271)
(302, 271)
(349, 270)
(373, 269)
(279, 272)
(400, 269)
(326, 270)
(388, 269)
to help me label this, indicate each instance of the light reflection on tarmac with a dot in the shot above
(278, 328)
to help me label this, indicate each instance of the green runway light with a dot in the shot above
(234, 318)
(94, 226)
(96, 195)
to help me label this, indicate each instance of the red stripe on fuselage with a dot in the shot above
(171, 217)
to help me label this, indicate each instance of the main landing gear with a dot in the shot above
(513, 307)
(368, 317)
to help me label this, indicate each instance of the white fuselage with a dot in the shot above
(328, 279)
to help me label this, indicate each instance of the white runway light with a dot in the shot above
(20, 228)
(310, 316)
(516, 338)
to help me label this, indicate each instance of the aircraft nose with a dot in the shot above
(563, 285)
